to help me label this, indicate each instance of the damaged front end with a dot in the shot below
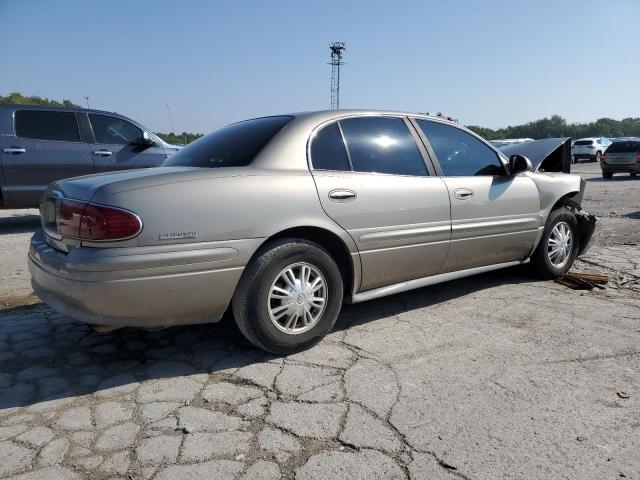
(546, 155)
(587, 225)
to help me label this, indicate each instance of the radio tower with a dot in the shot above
(337, 50)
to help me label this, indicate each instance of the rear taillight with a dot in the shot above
(638, 158)
(91, 222)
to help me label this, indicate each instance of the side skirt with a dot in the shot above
(426, 281)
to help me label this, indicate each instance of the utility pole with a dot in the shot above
(170, 119)
(337, 50)
(87, 100)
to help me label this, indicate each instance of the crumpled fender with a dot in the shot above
(587, 225)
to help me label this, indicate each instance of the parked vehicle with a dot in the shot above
(283, 217)
(39, 145)
(506, 142)
(622, 156)
(589, 148)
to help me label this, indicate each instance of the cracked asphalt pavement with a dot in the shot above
(490, 377)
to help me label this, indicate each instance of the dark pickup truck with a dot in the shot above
(39, 145)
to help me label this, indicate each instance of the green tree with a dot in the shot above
(16, 97)
(183, 138)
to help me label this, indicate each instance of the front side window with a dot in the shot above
(114, 130)
(382, 145)
(235, 145)
(47, 125)
(460, 153)
(327, 150)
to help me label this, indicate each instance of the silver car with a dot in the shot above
(282, 218)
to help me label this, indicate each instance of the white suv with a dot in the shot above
(589, 148)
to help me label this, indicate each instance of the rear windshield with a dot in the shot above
(584, 142)
(235, 145)
(624, 147)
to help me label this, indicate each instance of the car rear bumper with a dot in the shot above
(152, 288)
(583, 156)
(620, 167)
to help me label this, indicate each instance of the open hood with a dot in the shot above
(546, 155)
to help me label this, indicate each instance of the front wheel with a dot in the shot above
(289, 296)
(558, 246)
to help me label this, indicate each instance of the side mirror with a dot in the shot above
(519, 163)
(145, 141)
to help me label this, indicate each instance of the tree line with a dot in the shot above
(554, 126)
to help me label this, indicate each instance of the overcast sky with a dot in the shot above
(490, 62)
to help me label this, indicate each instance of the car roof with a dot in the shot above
(13, 106)
(322, 116)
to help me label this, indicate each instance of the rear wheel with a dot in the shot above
(289, 296)
(598, 155)
(558, 246)
(607, 174)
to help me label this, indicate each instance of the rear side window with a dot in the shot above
(382, 145)
(327, 150)
(460, 153)
(624, 147)
(235, 145)
(113, 130)
(47, 125)
(584, 143)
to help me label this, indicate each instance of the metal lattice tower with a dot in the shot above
(337, 50)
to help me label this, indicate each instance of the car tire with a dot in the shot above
(598, 155)
(607, 174)
(281, 314)
(633, 174)
(552, 265)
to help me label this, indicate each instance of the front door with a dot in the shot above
(116, 145)
(47, 146)
(379, 189)
(494, 216)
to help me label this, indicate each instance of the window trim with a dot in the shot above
(93, 133)
(501, 157)
(423, 153)
(75, 117)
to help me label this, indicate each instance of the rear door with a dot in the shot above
(494, 216)
(116, 146)
(47, 146)
(381, 191)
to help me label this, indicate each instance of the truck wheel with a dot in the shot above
(558, 246)
(289, 296)
(607, 174)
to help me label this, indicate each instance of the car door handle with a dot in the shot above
(342, 195)
(463, 193)
(103, 153)
(14, 150)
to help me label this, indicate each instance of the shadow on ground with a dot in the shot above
(19, 224)
(45, 356)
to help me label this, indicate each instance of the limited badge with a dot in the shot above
(177, 235)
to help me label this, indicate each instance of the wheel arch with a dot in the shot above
(348, 262)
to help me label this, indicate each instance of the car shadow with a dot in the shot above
(19, 224)
(615, 178)
(47, 357)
